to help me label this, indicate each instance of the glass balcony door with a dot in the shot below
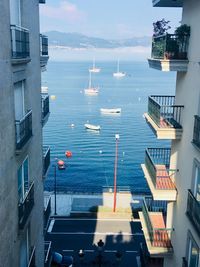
(19, 100)
(197, 183)
(193, 254)
(23, 180)
(15, 12)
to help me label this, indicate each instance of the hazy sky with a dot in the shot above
(104, 18)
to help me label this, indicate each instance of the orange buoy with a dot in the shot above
(68, 154)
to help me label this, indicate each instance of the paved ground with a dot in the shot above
(70, 235)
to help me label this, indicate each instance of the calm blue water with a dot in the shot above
(88, 168)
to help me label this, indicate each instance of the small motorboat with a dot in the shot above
(110, 110)
(92, 127)
(91, 91)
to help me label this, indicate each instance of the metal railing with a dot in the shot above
(193, 210)
(43, 45)
(19, 42)
(170, 46)
(164, 112)
(184, 262)
(32, 258)
(23, 130)
(47, 213)
(159, 237)
(46, 159)
(25, 207)
(45, 105)
(47, 254)
(196, 132)
(158, 156)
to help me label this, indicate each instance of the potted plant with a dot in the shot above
(182, 33)
(160, 29)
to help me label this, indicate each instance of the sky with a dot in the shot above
(110, 19)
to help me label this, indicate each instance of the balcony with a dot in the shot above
(23, 130)
(46, 159)
(43, 51)
(157, 236)
(169, 52)
(32, 258)
(167, 3)
(20, 45)
(196, 132)
(158, 175)
(47, 210)
(47, 254)
(164, 117)
(184, 262)
(25, 207)
(193, 211)
(45, 108)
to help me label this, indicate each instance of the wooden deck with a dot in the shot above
(160, 237)
(163, 180)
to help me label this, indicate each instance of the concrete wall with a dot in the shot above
(9, 161)
(187, 94)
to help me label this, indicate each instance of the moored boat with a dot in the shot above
(110, 110)
(92, 127)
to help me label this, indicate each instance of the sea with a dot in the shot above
(91, 167)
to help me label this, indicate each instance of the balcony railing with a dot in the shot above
(46, 159)
(159, 237)
(47, 212)
(170, 46)
(47, 254)
(43, 45)
(157, 162)
(23, 130)
(25, 207)
(193, 210)
(20, 42)
(32, 258)
(45, 105)
(196, 133)
(164, 112)
(184, 262)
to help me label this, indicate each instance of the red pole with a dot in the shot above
(115, 176)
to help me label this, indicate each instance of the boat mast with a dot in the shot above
(90, 83)
(93, 62)
(118, 65)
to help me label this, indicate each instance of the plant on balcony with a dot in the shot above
(182, 32)
(160, 27)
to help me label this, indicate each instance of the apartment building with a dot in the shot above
(23, 54)
(173, 174)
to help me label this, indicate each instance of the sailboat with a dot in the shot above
(94, 68)
(119, 74)
(91, 90)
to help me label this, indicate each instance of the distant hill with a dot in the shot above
(76, 40)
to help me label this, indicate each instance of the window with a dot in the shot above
(15, 12)
(25, 248)
(23, 180)
(19, 100)
(193, 252)
(196, 187)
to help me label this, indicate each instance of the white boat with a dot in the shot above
(119, 74)
(110, 110)
(91, 90)
(94, 69)
(92, 127)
